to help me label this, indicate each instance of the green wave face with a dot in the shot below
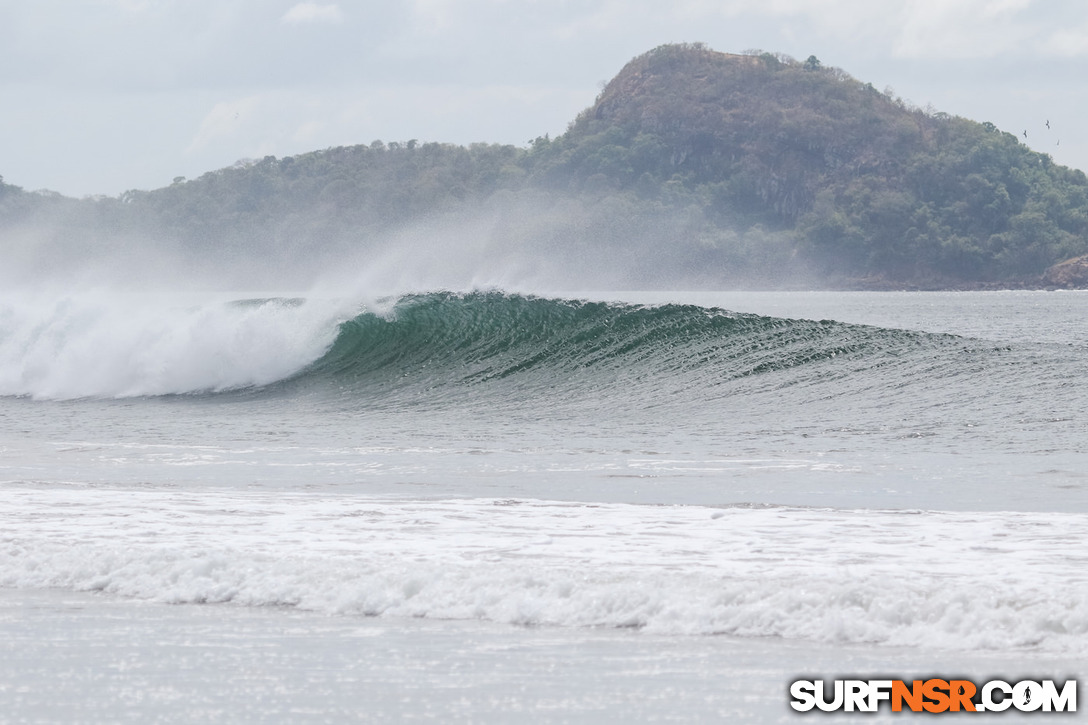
(433, 346)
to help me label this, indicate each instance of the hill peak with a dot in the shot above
(688, 72)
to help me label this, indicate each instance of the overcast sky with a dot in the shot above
(100, 96)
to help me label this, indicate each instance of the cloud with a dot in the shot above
(312, 13)
(1069, 43)
(966, 29)
(905, 29)
(308, 132)
(130, 6)
(223, 120)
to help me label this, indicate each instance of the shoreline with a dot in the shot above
(71, 656)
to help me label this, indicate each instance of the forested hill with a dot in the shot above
(693, 167)
(829, 168)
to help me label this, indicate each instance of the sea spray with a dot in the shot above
(106, 344)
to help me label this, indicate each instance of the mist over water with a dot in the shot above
(85, 312)
(530, 240)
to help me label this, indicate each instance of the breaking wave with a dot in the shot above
(428, 344)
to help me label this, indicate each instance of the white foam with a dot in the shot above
(100, 344)
(928, 579)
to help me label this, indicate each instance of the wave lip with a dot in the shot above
(995, 581)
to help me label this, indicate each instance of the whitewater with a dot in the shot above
(625, 506)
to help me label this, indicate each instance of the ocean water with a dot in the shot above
(491, 506)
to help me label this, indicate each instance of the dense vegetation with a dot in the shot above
(693, 167)
(782, 158)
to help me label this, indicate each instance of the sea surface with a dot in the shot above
(498, 506)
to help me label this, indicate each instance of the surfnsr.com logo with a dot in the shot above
(934, 695)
